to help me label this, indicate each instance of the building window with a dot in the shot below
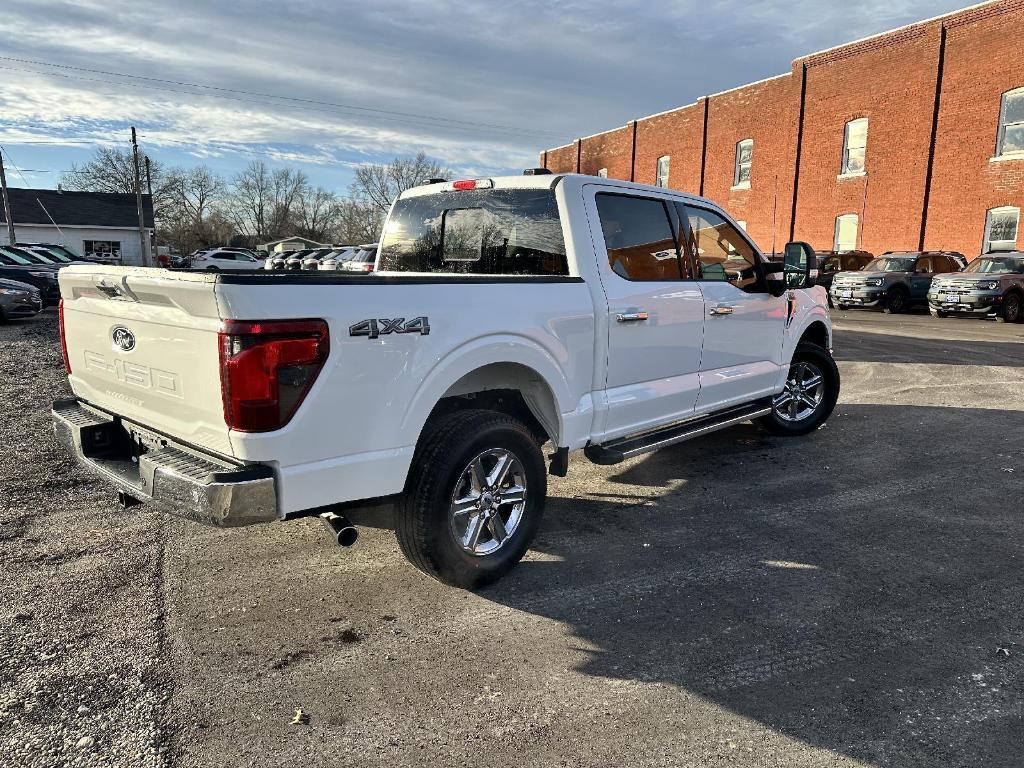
(855, 145)
(1001, 229)
(602, 172)
(661, 179)
(1011, 124)
(107, 250)
(744, 160)
(846, 232)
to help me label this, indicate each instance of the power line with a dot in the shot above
(294, 99)
(250, 100)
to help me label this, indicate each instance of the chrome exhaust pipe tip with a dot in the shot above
(341, 529)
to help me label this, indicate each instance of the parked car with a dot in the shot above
(363, 261)
(312, 260)
(18, 300)
(14, 266)
(56, 248)
(832, 262)
(277, 260)
(214, 261)
(52, 255)
(893, 281)
(295, 260)
(991, 286)
(337, 259)
(538, 331)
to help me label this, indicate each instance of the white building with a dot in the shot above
(101, 223)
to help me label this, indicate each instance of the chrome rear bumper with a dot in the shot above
(173, 477)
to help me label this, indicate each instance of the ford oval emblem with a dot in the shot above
(123, 338)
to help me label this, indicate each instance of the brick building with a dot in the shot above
(910, 139)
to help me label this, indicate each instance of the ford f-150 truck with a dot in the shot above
(504, 314)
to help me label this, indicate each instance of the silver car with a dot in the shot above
(991, 286)
(337, 259)
(19, 300)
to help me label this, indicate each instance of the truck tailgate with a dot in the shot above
(142, 343)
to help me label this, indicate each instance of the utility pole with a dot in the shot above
(149, 188)
(7, 202)
(138, 201)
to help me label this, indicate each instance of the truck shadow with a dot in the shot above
(856, 346)
(863, 601)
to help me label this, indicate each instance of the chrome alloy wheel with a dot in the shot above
(488, 502)
(803, 393)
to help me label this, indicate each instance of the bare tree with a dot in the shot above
(198, 190)
(318, 214)
(379, 185)
(358, 222)
(288, 187)
(251, 199)
(110, 170)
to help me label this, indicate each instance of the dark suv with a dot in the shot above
(991, 286)
(894, 281)
(831, 263)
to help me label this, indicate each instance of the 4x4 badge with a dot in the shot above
(123, 338)
(381, 327)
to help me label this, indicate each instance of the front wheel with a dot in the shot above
(809, 395)
(896, 301)
(474, 498)
(1011, 310)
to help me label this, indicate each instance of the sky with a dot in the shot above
(482, 86)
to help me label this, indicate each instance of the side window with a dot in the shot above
(720, 251)
(638, 237)
(924, 264)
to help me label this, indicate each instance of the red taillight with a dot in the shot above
(63, 337)
(368, 267)
(266, 369)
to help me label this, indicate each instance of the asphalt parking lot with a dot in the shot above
(853, 598)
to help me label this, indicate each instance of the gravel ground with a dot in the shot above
(848, 599)
(81, 611)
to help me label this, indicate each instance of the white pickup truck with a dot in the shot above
(504, 314)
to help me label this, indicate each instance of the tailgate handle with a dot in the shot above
(114, 289)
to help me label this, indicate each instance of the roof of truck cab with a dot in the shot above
(550, 181)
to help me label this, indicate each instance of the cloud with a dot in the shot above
(481, 85)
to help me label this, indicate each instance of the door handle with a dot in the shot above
(721, 309)
(631, 317)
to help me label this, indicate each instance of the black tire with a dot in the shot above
(844, 306)
(819, 359)
(938, 313)
(425, 531)
(896, 301)
(1010, 312)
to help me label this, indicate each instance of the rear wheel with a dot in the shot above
(896, 301)
(474, 498)
(809, 396)
(1011, 310)
(938, 313)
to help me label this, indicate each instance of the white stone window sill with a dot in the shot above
(741, 185)
(851, 175)
(1007, 157)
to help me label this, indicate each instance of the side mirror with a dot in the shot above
(799, 265)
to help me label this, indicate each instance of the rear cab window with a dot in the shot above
(476, 232)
